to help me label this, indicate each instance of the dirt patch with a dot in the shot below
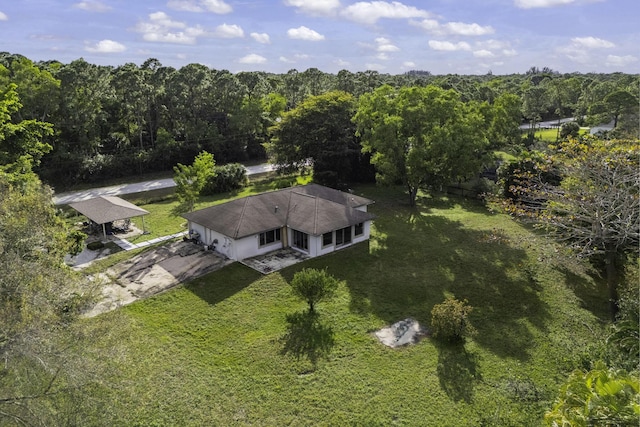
(153, 272)
(403, 332)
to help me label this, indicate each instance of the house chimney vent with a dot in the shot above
(276, 209)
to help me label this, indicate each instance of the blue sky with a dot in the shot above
(441, 36)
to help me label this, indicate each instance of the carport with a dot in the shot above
(105, 209)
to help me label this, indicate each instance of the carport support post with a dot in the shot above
(143, 227)
(104, 231)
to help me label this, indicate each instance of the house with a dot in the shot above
(312, 219)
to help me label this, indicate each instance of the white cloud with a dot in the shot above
(448, 46)
(462, 29)
(374, 66)
(226, 31)
(427, 24)
(369, 12)
(184, 5)
(382, 56)
(215, 6)
(92, 6)
(252, 59)
(304, 33)
(483, 53)
(409, 64)
(620, 61)
(315, 7)
(455, 28)
(579, 48)
(261, 38)
(384, 45)
(531, 4)
(106, 46)
(592, 42)
(341, 62)
(493, 44)
(3, 17)
(297, 57)
(161, 28)
(509, 52)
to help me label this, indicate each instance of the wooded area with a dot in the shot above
(123, 121)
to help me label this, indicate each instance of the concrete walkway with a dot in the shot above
(127, 245)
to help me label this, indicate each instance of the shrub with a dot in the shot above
(449, 320)
(227, 177)
(94, 246)
(569, 129)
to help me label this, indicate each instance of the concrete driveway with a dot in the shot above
(153, 272)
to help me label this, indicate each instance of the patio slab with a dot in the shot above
(275, 260)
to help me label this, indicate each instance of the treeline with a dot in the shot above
(122, 121)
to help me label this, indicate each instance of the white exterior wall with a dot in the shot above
(250, 246)
(319, 250)
(233, 249)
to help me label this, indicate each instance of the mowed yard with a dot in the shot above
(211, 352)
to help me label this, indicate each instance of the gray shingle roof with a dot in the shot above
(105, 209)
(312, 209)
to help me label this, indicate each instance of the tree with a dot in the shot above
(421, 136)
(505, 120)
(21, 141)
(534, 104)
(41, 343)
(595, 210)
(319, 130)
(620, 102)
(313, 286)
(600, 397)
(191, 179)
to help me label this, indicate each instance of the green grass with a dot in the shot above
(211, 352)
(551, 135)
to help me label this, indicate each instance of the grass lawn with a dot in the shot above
(551, 135)
(211, 352)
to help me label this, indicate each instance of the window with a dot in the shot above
(300, 240)
(327, 239)
(269, 237)
(358, 229)
(343, 236)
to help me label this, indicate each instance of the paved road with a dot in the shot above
(549, 124)
(139, 187)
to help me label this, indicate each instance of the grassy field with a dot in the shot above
(211, 352)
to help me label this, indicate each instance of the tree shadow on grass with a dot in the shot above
(458, 371)
(220, 285)
(307, 337)
(418, 256)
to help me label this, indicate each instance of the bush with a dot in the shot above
(449, 320)
(569, 129)
(94, 246)
(227, 177)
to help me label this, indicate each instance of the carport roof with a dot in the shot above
(105, 209)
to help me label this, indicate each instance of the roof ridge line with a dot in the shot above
(244, 208)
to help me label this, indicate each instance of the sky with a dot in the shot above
(440, 36)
